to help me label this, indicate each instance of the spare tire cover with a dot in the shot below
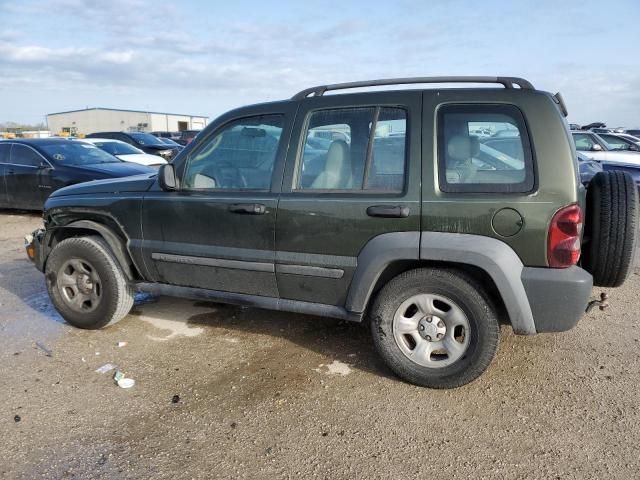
(610, 228)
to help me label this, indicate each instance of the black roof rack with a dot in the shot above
(508, 82)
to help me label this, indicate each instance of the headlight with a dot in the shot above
(165, 153)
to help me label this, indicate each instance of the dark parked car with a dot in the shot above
(31, 169)
(187, 136)
(144, 141)
(171, 143)
(171, 135)
(589, 167)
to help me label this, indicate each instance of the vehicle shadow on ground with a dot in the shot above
(346, 342)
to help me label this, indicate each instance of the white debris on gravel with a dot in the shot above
(107, 367)
(335, 368)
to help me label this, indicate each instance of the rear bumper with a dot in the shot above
(33, 247)
(558, 297)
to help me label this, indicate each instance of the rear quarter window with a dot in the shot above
(484, 149)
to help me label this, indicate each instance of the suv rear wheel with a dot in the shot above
(435, 327)
(86, 284)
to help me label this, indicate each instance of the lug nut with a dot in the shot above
(429, 319)
(428, 337)
(440, 324)
(421, 328)
(440, 336)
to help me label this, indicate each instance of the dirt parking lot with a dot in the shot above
(275, 395)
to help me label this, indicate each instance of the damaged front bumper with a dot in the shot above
(33, 246)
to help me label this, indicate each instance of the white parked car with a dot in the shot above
(594, 147)
(126, 152)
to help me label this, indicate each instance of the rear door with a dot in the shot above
(353, 173)
(23, 178)
(217, 231)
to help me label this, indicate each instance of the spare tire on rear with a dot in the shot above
(610, 228)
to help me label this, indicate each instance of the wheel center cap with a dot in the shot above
(432, 328)
(84, 283)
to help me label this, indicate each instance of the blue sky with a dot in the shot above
(203, 57)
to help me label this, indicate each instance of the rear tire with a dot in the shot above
(86, 284)
(456, 327)
(611, 228)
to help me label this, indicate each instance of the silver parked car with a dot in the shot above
(596, 148)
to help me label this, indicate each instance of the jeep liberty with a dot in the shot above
(385, 205)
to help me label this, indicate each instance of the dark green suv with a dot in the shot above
(387, 205)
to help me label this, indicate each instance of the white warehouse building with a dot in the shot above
(91, 120)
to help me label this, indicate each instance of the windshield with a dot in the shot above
(168, 141)
(117, 148)
(144, 138)
(76, 153)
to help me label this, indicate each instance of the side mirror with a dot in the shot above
(167, 177)
(634, 148)
(596, 147)
(44, 166)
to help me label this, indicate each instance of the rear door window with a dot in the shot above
(484, 148)
(23, 155)
(354, 149)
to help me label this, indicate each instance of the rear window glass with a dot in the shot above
(354, 149)
(483, 148)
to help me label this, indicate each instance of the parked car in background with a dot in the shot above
(171, 142)
(171, 135)
(187, 136)
(616, 141)
(635, 132)
(589, 167)
(595, 148)
(601, 130)
(126, 152)
(144, 141)
(31, 169)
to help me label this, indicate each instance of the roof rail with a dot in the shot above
(508, 82)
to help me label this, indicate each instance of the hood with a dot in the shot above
(143, 159)
(115, 169)
(138, 183)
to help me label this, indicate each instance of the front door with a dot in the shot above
(353, 173)
(217, 231)
(26, 180)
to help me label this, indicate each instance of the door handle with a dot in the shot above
(248, 208)
(388, 211)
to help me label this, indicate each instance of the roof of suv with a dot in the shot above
(508, 82)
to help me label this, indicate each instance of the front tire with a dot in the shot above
(86, 284)
(435, 327)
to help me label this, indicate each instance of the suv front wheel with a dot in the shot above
(435, 327)
(86, 284)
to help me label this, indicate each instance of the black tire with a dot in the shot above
(610, 228)
(468, 294)
(115, 294)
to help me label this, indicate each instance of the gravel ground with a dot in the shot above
(275, 395)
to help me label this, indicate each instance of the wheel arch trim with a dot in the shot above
(116, 243)
(494, 257)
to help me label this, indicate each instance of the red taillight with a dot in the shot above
(564, 237)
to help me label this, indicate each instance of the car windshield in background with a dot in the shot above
(145, 139)
(117, 148)
(76, 153)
